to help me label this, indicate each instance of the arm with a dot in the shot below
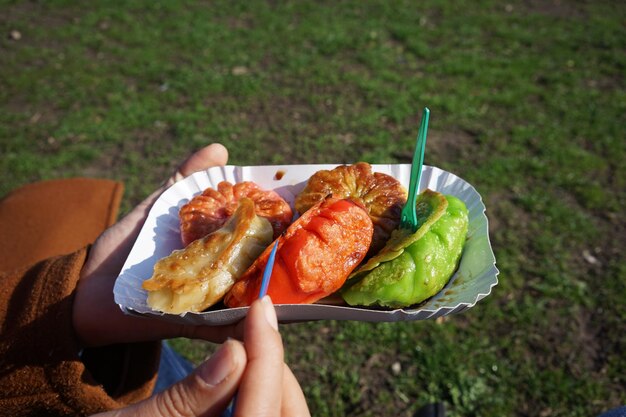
(41, 372)
(63, 306)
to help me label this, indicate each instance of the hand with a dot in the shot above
(98, 321)
(264, 384)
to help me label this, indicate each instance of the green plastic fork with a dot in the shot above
(408, 217)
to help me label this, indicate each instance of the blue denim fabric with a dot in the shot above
(616, 412)
(172, 368)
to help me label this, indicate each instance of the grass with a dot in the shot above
(527, 103)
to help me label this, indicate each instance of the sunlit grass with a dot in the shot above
(527, 104)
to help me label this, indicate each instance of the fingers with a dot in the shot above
(268, 387)
(294, 402)
(118, 240)
(215, 334)
(265, 386)
(206, 392)
(260, 392)
(209, 389)
(210, 156)
(120, 327)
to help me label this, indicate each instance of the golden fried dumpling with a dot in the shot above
(382, 195)
(198, 276)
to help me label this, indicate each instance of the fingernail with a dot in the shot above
(218, 367)
(270, 311)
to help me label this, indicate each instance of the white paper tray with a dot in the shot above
(474, 279)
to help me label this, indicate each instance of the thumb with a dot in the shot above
(205, 392)
(119, 239)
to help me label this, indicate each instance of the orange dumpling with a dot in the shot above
(208, 211)
(314, 257)
(382, 195)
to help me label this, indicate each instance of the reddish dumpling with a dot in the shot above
(314, 257)
(209, 211)
(382, 195)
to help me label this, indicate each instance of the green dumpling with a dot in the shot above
(413, 266)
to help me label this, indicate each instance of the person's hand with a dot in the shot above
(264, 384)
(98, 321)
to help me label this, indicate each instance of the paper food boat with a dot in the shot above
(159, 236)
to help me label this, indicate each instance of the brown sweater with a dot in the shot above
(43, 370)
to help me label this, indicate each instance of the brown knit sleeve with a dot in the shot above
(42, 369)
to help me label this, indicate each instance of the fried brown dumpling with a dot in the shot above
(196, 277)
(382, 195)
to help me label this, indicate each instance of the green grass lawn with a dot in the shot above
(527, 103)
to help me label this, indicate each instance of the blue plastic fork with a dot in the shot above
(267, 274)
